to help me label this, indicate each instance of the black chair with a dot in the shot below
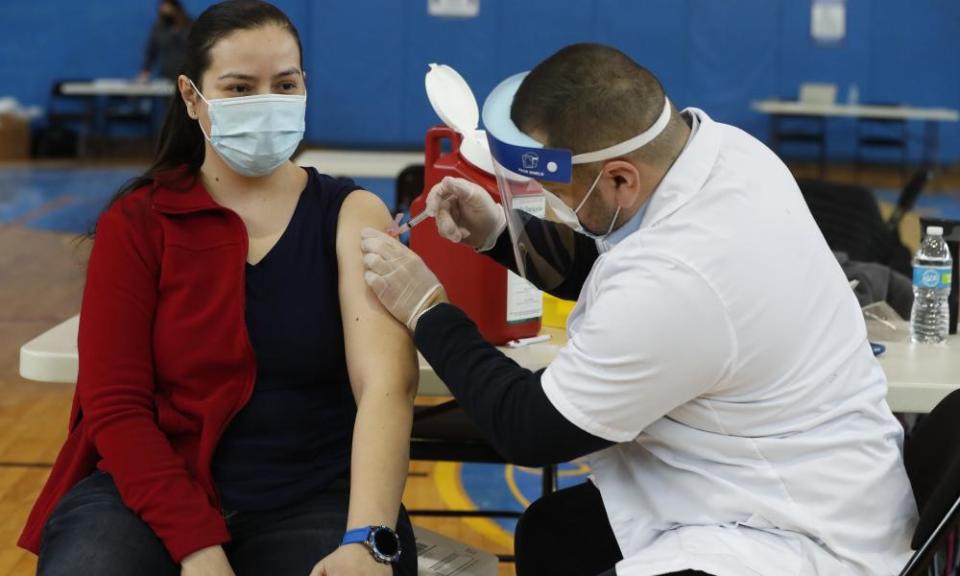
(409, 185)
(849, 218)
(132, 111)
(809, 131)
(70, 118)
(445, 433)
(885, 135)
(932, 456)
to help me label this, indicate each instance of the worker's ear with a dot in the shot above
(190, 97)
(626, 181)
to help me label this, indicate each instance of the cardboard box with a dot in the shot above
(14, 137)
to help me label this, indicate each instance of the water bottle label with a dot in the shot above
(932, 276)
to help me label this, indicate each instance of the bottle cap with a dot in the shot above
(934, 231)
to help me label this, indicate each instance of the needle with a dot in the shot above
(413, 222)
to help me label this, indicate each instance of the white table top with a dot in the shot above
(53, 357)
(118, 87)
(359, 163)
(855, 110)
(918, 375)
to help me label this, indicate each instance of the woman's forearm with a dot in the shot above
(381, 454)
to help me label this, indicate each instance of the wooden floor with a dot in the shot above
(41, 279)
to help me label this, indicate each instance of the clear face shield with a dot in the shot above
(541, 250)
(523, 167)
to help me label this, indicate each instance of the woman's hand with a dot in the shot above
(211, 561)
(351, 560)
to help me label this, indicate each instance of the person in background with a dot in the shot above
(167, 43)
(243, 402)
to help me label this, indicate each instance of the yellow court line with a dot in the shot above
(512, 484)
(449, 485)
(510, 474)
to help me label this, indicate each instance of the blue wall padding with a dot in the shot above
(366, 58)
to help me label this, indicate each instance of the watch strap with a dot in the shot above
(356, 536)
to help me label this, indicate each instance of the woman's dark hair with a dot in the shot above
(180, 148)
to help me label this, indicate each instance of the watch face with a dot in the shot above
(386, 542)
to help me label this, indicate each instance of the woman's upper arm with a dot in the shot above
(380, 351)
(119, 300)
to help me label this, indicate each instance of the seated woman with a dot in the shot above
(243, 399)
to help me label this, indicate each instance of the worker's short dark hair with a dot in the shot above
(587, 97)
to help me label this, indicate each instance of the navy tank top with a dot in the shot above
(293, 437)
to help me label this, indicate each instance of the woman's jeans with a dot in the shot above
(92, 532)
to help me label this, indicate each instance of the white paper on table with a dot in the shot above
(440, 556)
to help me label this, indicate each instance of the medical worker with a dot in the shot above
(717, 375)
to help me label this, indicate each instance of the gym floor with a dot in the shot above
(44, 210)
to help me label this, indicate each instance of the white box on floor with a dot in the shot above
(438, 555)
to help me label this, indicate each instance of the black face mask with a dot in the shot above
(168, 20)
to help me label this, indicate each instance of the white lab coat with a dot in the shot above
(722, 348)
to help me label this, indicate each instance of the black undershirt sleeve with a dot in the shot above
(505, 400)
(571, 256)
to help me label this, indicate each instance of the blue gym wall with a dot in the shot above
(366, 58)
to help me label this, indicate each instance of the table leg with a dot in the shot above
(931, 142)
(774, 132)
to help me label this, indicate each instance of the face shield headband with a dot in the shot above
(522, 167)
(525, 157)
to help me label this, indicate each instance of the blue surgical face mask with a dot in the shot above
(571, 217)
(255, 135)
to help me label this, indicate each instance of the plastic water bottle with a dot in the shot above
(932, 267)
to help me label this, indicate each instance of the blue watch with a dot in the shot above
(383, 542)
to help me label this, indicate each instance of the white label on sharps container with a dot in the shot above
(524, 300)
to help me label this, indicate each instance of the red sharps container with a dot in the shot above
(504, 306)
